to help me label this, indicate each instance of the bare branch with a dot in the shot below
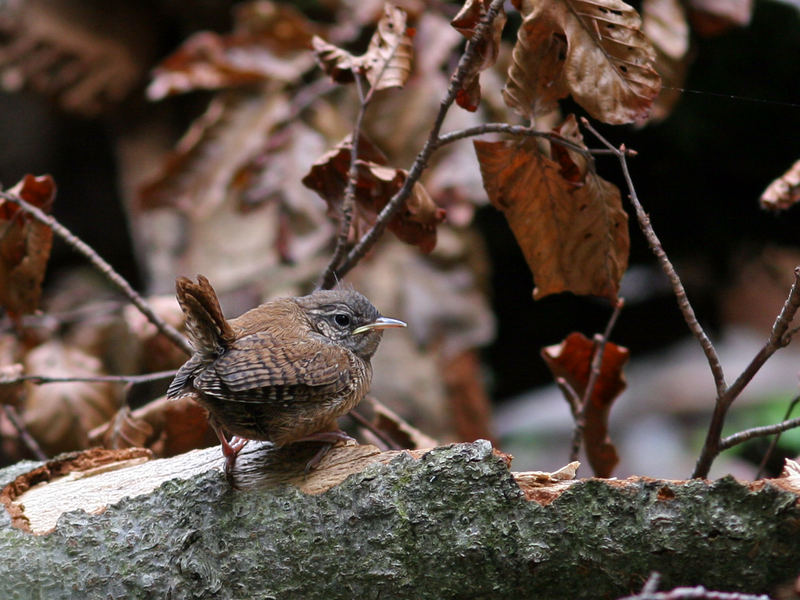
(675, 281)
(749, 434)
(571, 395)
(774, 443)
(694, 593)
(23, 433)
(45, 379)
(520, 130)
(421, 161)
(594, 372)
(106, 269)
(329, 276)
(779, 337)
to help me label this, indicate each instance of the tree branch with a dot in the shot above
(774, 443)
(23, 433)
(520, 130)
(749, 434)
(45, 379)
(421, 161)
(329, 276)
(594, 373)
(778, 339)
(106, 269)
(655, 246)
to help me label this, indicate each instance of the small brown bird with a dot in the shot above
(283, 371)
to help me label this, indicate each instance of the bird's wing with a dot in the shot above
(263, 360)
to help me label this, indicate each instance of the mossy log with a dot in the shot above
(452, 522)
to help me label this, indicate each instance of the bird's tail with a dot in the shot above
(206, 327)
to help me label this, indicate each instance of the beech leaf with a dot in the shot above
(591, 49)
(465, 22)
(571, 360)
(415, 223)
(784, 192)
(387, 61)
(24, 246)
(574, 235)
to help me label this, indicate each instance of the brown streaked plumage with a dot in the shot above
(281, 372)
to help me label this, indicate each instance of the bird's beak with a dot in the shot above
(379, 323)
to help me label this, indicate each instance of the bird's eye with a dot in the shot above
(342, 319)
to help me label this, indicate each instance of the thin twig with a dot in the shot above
(421, 161)
(600, 341)
(695, 593)
(23, 433)
(520, 130)
(774, 443)
(45, 379)
(106, 269)
(677, 286)
(329, 276)
(779, 337)
(369, 426)
(749, 434)
(571, 395)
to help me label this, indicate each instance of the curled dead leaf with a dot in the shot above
(571, 360)
(415, 223)
(593, 50)
(784, 192)
(387, 61)
(24, 246)
(465, 22)
(573, 232)
(167, 427)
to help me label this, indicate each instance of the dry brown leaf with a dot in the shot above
(784, 192)
(387, 61)
(571, 360)
(465, 22)
(167, 427)
(24, 246)
(60, 415)
(574, 235)
(665, 25)
(269, 41)
(415, 223)
(591, 49)
(713, 17)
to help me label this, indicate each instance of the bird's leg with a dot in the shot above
(229, 449)
(329, 438)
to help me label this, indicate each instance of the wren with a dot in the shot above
(282, 372)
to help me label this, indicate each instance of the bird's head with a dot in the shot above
(347, 318)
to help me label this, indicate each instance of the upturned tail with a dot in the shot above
(208, 331)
